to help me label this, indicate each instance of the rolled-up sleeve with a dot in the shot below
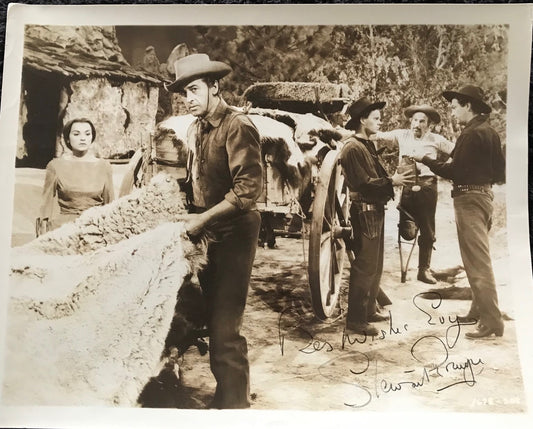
(244, 162)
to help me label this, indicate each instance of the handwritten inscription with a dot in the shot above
(453, 331)
(290, 320)
(361, 339)
(360, 371)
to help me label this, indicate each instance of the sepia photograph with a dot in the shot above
(251, 208)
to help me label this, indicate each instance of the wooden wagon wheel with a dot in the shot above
(327, 249)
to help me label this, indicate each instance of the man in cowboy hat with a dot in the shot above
(477, 162)
(418, 203)
(226, 174)
(370, 189)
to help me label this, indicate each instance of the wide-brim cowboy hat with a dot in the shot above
(471, 93)
(194, 67)
(359, 108)
(429, 111)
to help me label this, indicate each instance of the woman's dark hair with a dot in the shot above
(68, 127)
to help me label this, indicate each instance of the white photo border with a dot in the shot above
(518, 16)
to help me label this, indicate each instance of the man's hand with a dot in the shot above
(419, 154)
(195, 223)
(406, 178)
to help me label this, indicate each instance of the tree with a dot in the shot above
(400, 64)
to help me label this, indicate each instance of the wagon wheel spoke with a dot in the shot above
(325, 265)
(328, 224)
(336, 247)
(325, 237)
(339, 211)
(332, 265)
(329, 211)
(340, 184)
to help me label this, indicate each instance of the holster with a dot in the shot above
(370, 219)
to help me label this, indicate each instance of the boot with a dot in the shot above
(358, 302)
(424, 260)
(360, 328)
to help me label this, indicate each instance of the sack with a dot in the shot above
(407, 229)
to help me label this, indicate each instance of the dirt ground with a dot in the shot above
(421, 359)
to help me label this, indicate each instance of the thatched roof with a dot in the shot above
(301, 97)
(79, 52)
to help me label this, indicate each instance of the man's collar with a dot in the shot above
(476, 120)
(362, 138)
(216, 117)
(366, 141)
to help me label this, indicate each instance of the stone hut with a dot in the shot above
(71, 72)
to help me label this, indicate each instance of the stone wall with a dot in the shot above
(124, 114)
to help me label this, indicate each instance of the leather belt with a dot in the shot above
(463, 189)
(367, 207)
(357, 197)
(364, 205)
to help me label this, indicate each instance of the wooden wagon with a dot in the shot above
(330, 205)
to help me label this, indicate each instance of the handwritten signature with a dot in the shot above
(361, 371)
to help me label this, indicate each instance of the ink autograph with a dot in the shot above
(361, 366)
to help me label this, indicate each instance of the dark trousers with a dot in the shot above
(225, 283)
(473, 217)
(422, 206)
(366, 270)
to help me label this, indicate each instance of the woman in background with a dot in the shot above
(77, 181)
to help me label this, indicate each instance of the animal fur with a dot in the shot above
(96, 299)
(145, 208)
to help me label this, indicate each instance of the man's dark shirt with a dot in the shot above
(364, 172)
(227, 161)
(477, 158)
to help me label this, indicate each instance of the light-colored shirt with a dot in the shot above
(76, 185)
(430, 144)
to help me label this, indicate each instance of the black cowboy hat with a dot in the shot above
(429, 111)
(471, 93)
(359, 108)
(194, 67)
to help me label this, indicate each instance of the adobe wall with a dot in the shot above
(124, 114)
